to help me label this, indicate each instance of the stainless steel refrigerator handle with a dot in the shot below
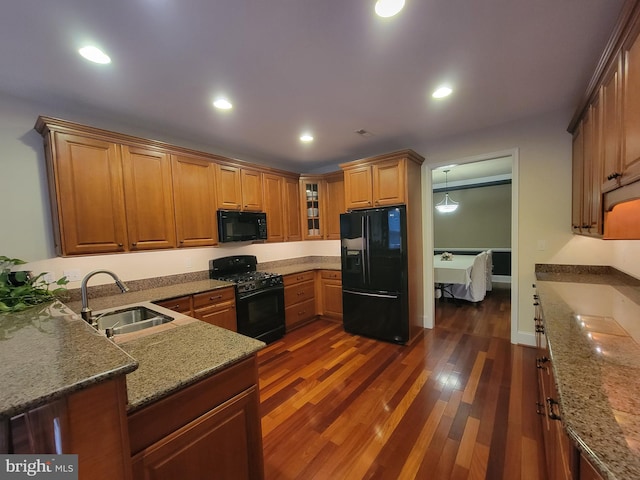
(380, 295)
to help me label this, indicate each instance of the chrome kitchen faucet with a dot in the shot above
(86, 311)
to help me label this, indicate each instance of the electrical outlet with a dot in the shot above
(188, 263)
(73, 275)
(49, 277)
(542, 245)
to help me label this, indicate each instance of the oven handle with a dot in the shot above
(243, 296)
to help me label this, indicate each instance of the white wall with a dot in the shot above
(26, 231)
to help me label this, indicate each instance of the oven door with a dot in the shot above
(260, 314)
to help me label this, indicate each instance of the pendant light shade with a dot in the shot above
(446, 205)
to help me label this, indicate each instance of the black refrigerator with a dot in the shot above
(374, 273)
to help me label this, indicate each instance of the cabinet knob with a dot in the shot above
(181, 241)
(120, 245)
(134, 244)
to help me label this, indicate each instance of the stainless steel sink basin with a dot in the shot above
(130, 319)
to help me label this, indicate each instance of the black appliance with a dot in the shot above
(374, 273)
(259, 296)
(241, 226)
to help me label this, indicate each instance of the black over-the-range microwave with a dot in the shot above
(241, 226)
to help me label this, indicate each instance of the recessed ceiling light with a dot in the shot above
(94, 54)
(388, 8)
(222, 104)
(442, 92)
(306, 137)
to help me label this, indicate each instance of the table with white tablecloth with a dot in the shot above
(456, 270)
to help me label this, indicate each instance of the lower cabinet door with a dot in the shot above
(221, 444)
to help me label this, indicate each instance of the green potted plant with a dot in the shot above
(19, 290)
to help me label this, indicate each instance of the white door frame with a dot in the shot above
(429, 307)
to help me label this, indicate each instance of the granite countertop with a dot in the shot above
(593, 333)
(48, 352)
(172, 359)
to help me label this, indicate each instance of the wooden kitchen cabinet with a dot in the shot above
(611, 140)
(293, 224)
(217, 307)
(333, 204)
(378, 181)
(238, 188)
(87, 196)
(209, 430)
(148, 190)
(330, 294)
(274, 206)
(194, 196)
(299, 299)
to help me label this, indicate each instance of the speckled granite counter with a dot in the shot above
(48, 352)
(592, 325)
(172, 359)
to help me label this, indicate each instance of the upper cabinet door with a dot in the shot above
(389, 183)
(148, 198)
(357, 187)
(90, 200)
(229, 187)
(333, 205)
(195, 202)
(274, 207)
(631, 107)
(610, 103)
(251, 181)
(293, 229)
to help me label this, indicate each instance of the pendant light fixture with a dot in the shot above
(446, 205)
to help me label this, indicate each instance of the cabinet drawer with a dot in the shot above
(332, 274)
(180, 304)
(299, 292)
(221, 314)
(300, 312)
(297, 278)
(214, 296)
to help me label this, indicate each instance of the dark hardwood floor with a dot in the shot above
(457, 403)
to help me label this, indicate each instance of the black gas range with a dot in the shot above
(259, 296)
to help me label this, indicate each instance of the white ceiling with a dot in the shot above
(329, 66)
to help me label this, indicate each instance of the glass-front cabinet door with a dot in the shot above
(311, 191)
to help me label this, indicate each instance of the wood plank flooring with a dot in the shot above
(458, 403)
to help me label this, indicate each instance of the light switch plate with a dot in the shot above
(73, 275)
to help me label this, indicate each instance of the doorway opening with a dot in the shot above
(485, 189)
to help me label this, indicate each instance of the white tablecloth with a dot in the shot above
(457, 270)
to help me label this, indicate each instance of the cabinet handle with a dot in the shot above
(540, 361)
(550, 404)
(217, 297)
(302, 312)
(175, 307)
(614, 175)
